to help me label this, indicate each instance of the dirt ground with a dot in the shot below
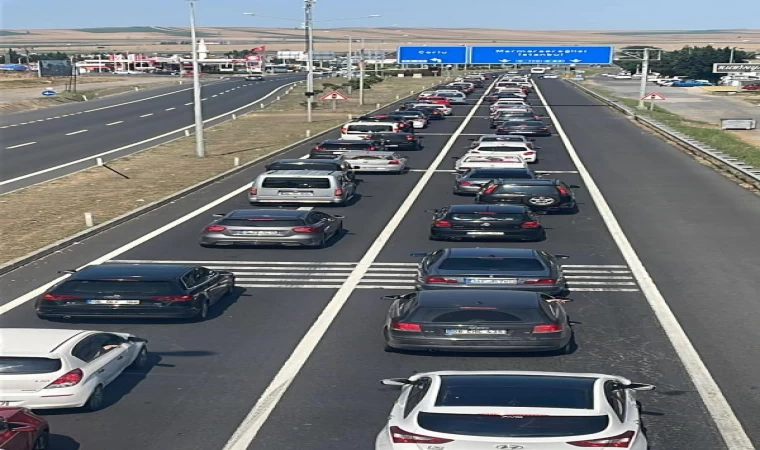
(55, 210)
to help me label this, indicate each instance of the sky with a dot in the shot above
(528, 15)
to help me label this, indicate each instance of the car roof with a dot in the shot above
(541, 182)
(489, 297)
(300, 173)
(148, 272)
(278, 213)
(481, 252)
(34, 340)
(474, 208)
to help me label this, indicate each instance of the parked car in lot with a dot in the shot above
(491, 268)
(546, 195)
(488, 410)
(481, 222)
(136, 290)
(43, 368)
(288, 227)
(302, 186)
(691, 83)
(375, 162)
(20, 429)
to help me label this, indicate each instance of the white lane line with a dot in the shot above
(57, 117)
(23, 123)
(204, 99)
(722, 414)
(187, 104)
(258, 415)
(114, 123)
(14, 125)
(169, 109)
(40, 120)
(4, 126)
(51, 118)
(137, 101)
(212, 96)
(147, 115)
(436, 171)
(76, 132)
(594, 266)
(20, 145)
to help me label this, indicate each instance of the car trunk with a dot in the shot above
(23, 374)
(492, 271)
(478, 322)
(260, 227)
(486, 223)
(114, 293)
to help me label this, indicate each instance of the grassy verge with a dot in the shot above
(726, 141)
(55, 210)
(20, 83)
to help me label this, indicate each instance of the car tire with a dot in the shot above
(573, 210)
(96, 400)
(203, 312)
(320, 244)
(141, 361)
(42, 441)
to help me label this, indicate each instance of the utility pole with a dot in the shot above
(308, 11)
(731, 60)
(644, 75)
(200, 149)
(361, 75)
(350, 62)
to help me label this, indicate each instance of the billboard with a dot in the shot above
(56, 68)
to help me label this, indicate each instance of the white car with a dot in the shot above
(43, 368)
(445, 110)
(550, 76)
(424, 94)
(463, 410)
(500, 138)
(521, 149)
(508, 102)
(375, 161)
(468, 162)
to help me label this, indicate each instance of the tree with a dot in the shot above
(691, 62)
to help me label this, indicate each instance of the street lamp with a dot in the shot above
(200, 150)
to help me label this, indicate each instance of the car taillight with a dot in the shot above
(400, 436)
(442, 224)
(474, 152)
(339, 192)
(490, 189)
(173, 298)
(530, 225)
(215, 228)
(562, 190)
(344, 130)
(529, 153)
(541, 281)
(548, 328)
(465, 183)
(440, 280)
(403, 326)
(410, 138)
(372, 148)
(619, 441)
(395, 162)
(253, 191)
(304, 229)
(58, 297)
(318, 147)
(68, 379)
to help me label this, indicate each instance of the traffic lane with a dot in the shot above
(338, 389)
(108, 134)
(27, 278)
(194, 367)
(698, 240)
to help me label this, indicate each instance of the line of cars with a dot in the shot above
(500, 299)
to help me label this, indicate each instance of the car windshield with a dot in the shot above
(256, 222)
(512, 425)
(492, 264)
(462, 315)
(28, 366)
(516, 391)
(526, 190)
(114, 287)
(295, 183)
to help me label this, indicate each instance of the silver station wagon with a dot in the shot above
(302, 186)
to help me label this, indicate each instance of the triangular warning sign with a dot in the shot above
(334, 95)
(653, 96)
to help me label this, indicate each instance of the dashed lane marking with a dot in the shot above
(21, 145)
(114, 123)
(76, 132)
(170, 109)
(147, 115)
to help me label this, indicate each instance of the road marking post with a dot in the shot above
(236, 161)
(88, 220)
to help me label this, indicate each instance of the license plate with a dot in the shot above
(450, 332)
(486, 233)
(257, 233)
(113, 302)
(337, 153)
(490, 281)
(5, 403)
(295, 194)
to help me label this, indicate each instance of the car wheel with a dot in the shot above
(320, 244)
(573, 210)
(141, 361)
(42, 441)
(203, 311)
(96, 400)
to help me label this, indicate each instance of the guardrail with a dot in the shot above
(738, 168)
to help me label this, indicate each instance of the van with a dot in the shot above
(362, 130)
(302, 186)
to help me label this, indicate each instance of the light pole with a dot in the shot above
(200, 149)
(309, 57)
(361, 75)
(644, 76)
(349, 63)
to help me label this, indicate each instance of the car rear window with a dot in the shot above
(528, 190)
(262, 222)
(476, 264)
(113, 287)
(295, 183)
(367, 157)
(24, 365)
(369, 128)
(516, 391)
(347, 146)
(494, 174)
(308, 166)
(460, 315)
(512, 426)
(486, 215)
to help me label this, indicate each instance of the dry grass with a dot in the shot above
(54, 210)
(29, 82)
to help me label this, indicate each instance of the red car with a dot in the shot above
(22, 430)
(751, 87)
(440, 100)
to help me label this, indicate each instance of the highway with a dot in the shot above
(646, 209)
(44, 144)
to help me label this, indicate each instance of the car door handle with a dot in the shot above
(101, 370)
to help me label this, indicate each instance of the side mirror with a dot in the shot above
(418, 254)
(218, 216)
(395, 382)
(390, 297)
(558, 256)
(641, 387)
(69, 271)
(574, 186)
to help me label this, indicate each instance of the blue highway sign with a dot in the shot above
(48, 92)
(432, 55)
(542, 55)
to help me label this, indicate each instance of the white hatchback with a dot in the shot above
(468, 162)
(49, 368)
(513, 410)
(521, 149)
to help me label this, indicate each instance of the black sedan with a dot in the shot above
(399, 141)
(470, 182)
(527, 128)
(333, 148)
(521, 269)
(539, 195)
(481, 222)
(485, 320)
(136, 291)
(430, 112)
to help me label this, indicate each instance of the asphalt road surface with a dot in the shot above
(692, 229)
(44, 144)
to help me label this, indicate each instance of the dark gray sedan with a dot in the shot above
(528, 128)
(479, 321)
(521, 269)
(470, 182)
(272, 227)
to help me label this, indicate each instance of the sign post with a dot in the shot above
(652, 96)
(334, 97)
